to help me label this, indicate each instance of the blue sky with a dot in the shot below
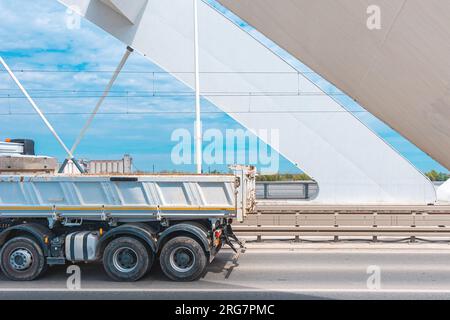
(34, 37)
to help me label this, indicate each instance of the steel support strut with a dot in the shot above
(97, 106)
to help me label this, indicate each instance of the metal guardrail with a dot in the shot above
(335, 221)
(293, 190)
(286, 190)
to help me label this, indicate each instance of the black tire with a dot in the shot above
(126, 259)
(183, 259)
(22, 259)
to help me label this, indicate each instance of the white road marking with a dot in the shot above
(137, 290)
(374, 251)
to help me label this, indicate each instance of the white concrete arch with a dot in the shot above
(389, 55)
(350, 162)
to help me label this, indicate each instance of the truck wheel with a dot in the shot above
(22, 259)
(126, 259)
(183, 259)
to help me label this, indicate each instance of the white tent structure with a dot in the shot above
(443, 192)
(350, 163)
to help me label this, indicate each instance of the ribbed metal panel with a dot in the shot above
(126, 197)
(9, 148)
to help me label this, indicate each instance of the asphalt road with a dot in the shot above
(268, 272)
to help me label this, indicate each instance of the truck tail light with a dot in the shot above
(217, 237)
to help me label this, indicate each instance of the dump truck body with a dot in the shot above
(123, 197)
(127, 222)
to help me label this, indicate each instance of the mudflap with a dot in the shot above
(231, 239)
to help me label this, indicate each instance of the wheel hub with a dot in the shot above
(182, 259)
(20, 259)
(125, 259)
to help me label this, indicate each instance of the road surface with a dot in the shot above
(318, 271)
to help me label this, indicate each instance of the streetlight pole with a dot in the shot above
(198, 124)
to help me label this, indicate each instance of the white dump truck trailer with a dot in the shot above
(127, 222)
